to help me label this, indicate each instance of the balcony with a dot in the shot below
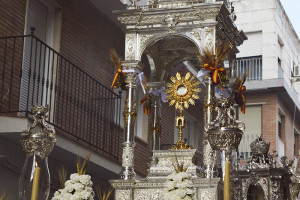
(80, 107)
(251, 65)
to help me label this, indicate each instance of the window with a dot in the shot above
(280, 126)
(296, 70)
(280, 71)
(45, 17)
(281, 133)
(252, 118)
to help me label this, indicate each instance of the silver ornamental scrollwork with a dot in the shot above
(207, 194)
(209, 160)
(209, 38)
(199, 15)
(260, 158)
(123, 194)
(225, 132)
(148, 194)
(144, 39)
(197, 35)
(276, 189)
(236, 186)
(128, 156)
(35, 140)
(131, 79)
(171, 20)
(130, 47)
(255, 180)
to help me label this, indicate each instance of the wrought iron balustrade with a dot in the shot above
(31, 72)
(251, 65)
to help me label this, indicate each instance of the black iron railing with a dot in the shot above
(251, 65)
(33, 73)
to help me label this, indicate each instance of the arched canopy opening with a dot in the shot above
(167, 52)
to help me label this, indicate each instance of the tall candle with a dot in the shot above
(227, 181)
(35, 184)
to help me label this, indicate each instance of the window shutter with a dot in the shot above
(252, 46)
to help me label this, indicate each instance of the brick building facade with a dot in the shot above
(270, 55)
(74, 49)
(81, 37)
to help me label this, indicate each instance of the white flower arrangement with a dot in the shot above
(79, 187)
(179, 185)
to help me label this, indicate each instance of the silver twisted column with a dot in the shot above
(129, 115)
(209, 155)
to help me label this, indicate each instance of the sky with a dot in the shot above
(292, 8)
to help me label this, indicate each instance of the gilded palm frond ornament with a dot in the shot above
(181, 92)
(213, 61)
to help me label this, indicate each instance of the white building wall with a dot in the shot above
(269, 18)
(291, 44)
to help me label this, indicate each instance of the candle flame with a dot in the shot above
(36, 165)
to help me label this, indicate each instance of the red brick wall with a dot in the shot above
(86, 38)
(271, 106)
(269, 115)
(87, 35)
(12, 17)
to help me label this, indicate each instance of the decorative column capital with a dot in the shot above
(131, 79)
(155, 85)
(134, 65)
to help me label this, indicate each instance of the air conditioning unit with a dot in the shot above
(296, 71)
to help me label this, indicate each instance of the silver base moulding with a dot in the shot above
(161, 166)
(127, 172)
(224, 138)
(205, 189)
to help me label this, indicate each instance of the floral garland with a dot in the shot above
(79, 187)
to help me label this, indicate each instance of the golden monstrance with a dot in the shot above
(182, 91)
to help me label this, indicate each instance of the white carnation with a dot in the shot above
(75, 177)
(78, 186)
(86, 180)
(85, 194)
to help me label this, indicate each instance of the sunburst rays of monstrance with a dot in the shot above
(181, 92)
